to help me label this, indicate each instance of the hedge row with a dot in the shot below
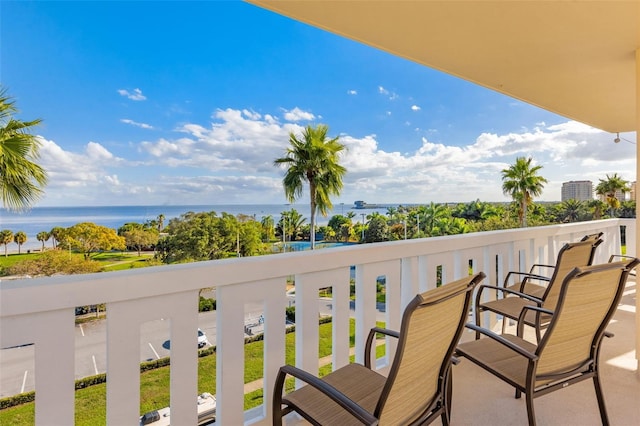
(26, 397)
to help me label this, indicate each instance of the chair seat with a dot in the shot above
(356, 381)
(531, 289)
(511, 307)
(502, 360)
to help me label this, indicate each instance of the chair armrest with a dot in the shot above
(529, 275)
(524, 311)
(540, 265)
(537, 300)
(371, 338)
(354, 409)
(498, 338)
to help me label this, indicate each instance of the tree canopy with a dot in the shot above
(314, 159)
(21, 178)
(522, 182)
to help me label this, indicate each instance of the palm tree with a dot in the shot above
(160, 222)
(596, 206)
(57, 234)
(522, 182)
(313, 159)
(267, 228)
(20, 238)
(434, 216)
(21, 179)
(572, 210)
(6, 237)
(609, 187)
(42, 237)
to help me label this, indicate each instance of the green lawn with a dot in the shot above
(154, 384)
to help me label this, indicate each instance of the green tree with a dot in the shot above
(197, 237)
(609, 187)
(20, 238)
(628, 209)
(57, 235)
(522, 182)
(337, 222)
(572, 211)
(597, 207)
(268, 225)
(377, 229)
(140, 238)
(89, 238)
(313, 159)
(290, 225)
(6, 237)
(250, 239)
(435, 215)
(43, 236)
(21, 178)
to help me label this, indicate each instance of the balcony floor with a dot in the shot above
(481, 399)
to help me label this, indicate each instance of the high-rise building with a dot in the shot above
(581, 190)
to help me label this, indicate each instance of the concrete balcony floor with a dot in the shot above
(479, 398)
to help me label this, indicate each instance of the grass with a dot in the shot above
(154, 384)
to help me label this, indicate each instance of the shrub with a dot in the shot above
(54, 262)
(206, 304)
(290, 313)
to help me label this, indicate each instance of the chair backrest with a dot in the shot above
(588, 299)
(431, 327)
(592, 237)
(571, 255)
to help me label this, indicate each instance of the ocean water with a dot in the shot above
(40, 219)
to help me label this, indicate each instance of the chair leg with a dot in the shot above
(448, 397)
(276, 407)
(531, 415)
(603, 409)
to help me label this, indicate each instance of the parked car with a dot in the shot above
(202, 339)
(206, 412)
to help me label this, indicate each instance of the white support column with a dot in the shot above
(637, 206)
(52, 333)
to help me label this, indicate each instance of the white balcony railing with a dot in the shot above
(41, 311)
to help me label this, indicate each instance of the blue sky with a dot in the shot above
(151, 103)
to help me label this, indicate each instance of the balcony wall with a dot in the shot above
(41, 311)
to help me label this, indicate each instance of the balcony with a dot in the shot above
(41, 311)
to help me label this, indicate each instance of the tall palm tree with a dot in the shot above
(609, 187)
(21, 179)
(20, 238)
(572, 210)
(313, 159)
(42, 237)
(522, 182)
(6, 237)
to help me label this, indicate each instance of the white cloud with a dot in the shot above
(136, 95)
(136, 124)
(392, 95)
(352, 92)
(297, 114)
(415, 108)
(230, 160)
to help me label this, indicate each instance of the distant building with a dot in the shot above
(581, 190)
(632, 193)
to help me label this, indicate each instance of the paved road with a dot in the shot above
(17, 364)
